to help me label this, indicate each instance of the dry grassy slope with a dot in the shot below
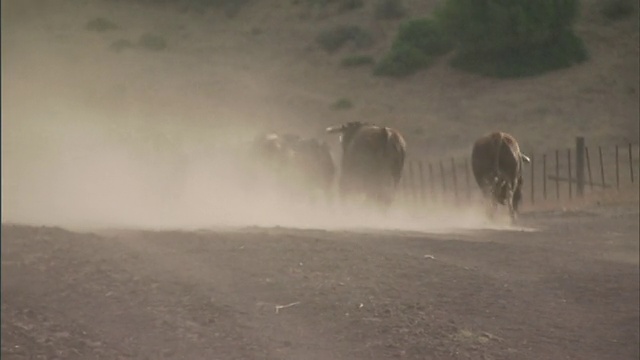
(263, 70)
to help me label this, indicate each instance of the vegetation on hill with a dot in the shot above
(418, 42)
(333, 39)
(494, 38)
(618, 9)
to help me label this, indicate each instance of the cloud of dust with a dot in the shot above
(94, 140)
(70, 172)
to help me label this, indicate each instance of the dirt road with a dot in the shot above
(568, 290)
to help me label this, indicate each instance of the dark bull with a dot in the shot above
(372, 161)
(302, 167)
(497, 162)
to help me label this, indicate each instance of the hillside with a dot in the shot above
(67, 92)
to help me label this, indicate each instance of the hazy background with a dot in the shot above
(92, 136)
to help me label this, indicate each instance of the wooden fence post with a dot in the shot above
(631, 162)
(455, 179)
(432, 182)
(412, 185)
(601, 166)
(544, 176)
(444, 181)
(466, 176)
(569, 172)
(586, 154)
(423, 197)
(580, 165)
(532, 178)
(617, 170)
(557, 174)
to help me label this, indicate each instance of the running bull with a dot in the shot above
(497, 163)
(301, 166)
(372, 161)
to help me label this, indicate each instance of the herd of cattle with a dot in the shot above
(372, 161)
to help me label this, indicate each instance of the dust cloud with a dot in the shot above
(95, 139)
(82, 174)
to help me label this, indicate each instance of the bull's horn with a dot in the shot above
(334, 129)
(525, 158)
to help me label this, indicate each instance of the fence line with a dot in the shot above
(569, 177)
(586, 153)
(631, 162)
(420, 181)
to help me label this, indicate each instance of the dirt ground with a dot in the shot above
(147, 137)
(564, 285)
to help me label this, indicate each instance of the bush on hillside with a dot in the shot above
(402, 61)
(100, 24)
(564, 52)
(511, 38)
(350, 4)
(425, 35)
(342, 104)
(343, 5)
(231, 8)
(417, 44)
(618, 9)
(333, 39)
(389, 9)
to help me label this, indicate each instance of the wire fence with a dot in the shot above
(558, 175)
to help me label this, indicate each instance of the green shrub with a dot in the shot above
(402, 61)
(425, 35)
(357, 60)
(333, 39)
(496, 24)
(346, 5)
(510, 38)
(100, 24)
(564, 52)
(342, 104)
(389, 9)
(231, 8)
(343, 5)
(417, 44)
(152, 42)
(618, 9)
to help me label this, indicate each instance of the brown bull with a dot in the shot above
(299, 166)
(269, 149)
(311, 166)
(497, 162)
(372, 161)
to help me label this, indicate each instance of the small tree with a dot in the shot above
(416, 46)
(512, 37)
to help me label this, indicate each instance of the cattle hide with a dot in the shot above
(313, 168)
(372, 161)
(496, 162)
(301, 167)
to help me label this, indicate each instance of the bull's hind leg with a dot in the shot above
(491, 206)
(513, 211)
